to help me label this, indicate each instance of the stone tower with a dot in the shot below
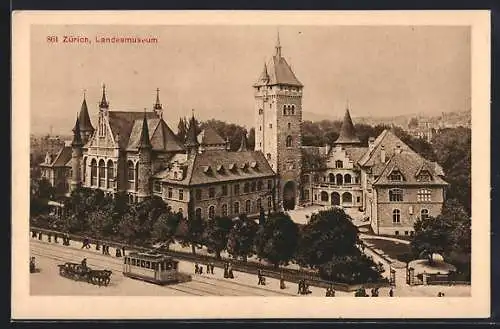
(278, 111)
(144, 171)
(86, 128)
(76, 157)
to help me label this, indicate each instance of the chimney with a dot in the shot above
(371, 142)
(382, 154)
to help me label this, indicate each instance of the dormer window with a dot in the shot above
(206, 169)
(253, 164)
(396, 176)
(424, 176)
(232, 166)
(244, 166)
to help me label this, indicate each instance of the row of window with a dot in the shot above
(396, 215)
(98, 173)
(257, 205)
(396, 195)
(337, 179)
(335, 197)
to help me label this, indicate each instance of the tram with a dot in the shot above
(152, 267)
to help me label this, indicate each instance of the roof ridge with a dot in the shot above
(385, 167)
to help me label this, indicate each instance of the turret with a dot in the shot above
(86, 128)
(145, 170)
(158, 108)
(103, 105)
(192, 143)
(347, 132)
(243, 145)
(76, 157)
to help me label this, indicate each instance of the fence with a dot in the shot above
(289, 275)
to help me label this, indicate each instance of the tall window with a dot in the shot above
(236, 208)
(253, 186)
(130, 174)
(285, 110)
(224, 190)
(289, 125)
(289, 141)
(170, 193)
(197, 194)
(293, 109)
(306, 194)
(93, 172)
(331, 178)
(102, 173)
(258, 204)
(157, 187)
(339, 164)
(246, 188)
(347, 179)
(211, 192)
(236, 189)
(269, 184)
(324, 196)
(259, 185)
(396, 176)
(269, 202)
(396, 195)
(424, 214)
(396, 216)
(340, 179)
(197, 213)
(211, 212)
(248, 207)
(224, 209)
(181, 194)
(84, 173)
(111, 174)
(424, 195)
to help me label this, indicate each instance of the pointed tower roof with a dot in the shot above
(191, 138)
(104, 102)
(157, 105)
(347, 132)
(243, 145)
(84, 117)
(144, 141)
(278, 45)
(77, 137)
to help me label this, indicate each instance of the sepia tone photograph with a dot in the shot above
(233, 155)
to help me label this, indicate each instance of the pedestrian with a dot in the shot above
(208, 268)
(212, 267)
(200, 269)
(118, 252)
(282, 281)
(196, 268)
(55, 238)
(97, 245)
(33, 234)
(123, 251)
(40, 236)
(299, 291)
(226, 274)
(88, 243)
(107, 251)
(230, 271)
(103, 249)
(49, 237)
(391, 293)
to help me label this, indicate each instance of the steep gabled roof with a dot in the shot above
(161, 136)
(84, 118)
(62, 158)
(122, 123)
(209, 136)
(280, 73)
(408, 163)
(387, 141)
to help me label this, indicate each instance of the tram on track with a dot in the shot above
(152, 267)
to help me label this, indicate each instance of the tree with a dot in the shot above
(182, 128)
(329, 233)
(432, 235)
(216, 234)
(190, 231)
(277, 240)
(242, 237)
(351, 269)
(165, 227)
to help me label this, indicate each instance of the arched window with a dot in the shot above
(340, 179)
(396, 216)
(339, 164)
(130, 174)
(324, 196)
(197, 213)
(396, 195)
(258, 204)
(347, 179)
(269, 202)
(93, 172)
(84, 171)
(224, 209)
(236, 207)
(248, 207)
(289, 141)
(347, 197)
(284, 110)
(246, 188)
(111, 174)
(261, 111)
(424, 214)
(289, 125)
(293, 109)
(424, 195)
(331, 178)
(211, 212)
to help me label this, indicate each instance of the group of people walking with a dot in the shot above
(39, 235)
(198, 269)
(303, 288)
(228, 271)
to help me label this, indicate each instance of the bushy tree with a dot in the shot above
(241, 238)
(277, 240)
(351, 269)
(216, 234)
(190, 231)
(432, 235)
(329, 233)
(165, 228)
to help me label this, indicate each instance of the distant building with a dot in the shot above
(46, 144)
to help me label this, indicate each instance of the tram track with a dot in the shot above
(198, 287)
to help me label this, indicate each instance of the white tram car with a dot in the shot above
(151, 267)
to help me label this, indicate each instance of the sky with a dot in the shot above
(378, 70)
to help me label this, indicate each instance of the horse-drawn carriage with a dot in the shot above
(79, 272)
